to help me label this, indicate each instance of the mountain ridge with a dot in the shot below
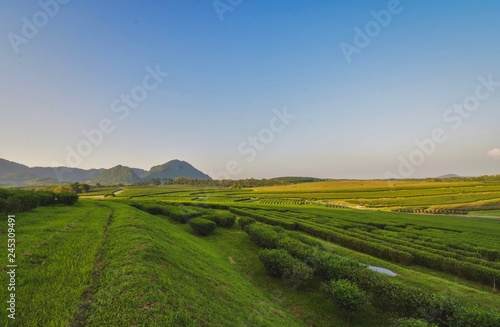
(13, 173)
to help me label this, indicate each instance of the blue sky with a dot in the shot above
(357, 119)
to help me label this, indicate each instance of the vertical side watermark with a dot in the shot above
(11, 266)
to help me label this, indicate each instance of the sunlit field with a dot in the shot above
(137, 257)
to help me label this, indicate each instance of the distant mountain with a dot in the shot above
(141, 173)
(175, 168)
(117, 175)
(12, 173)
(449, 176)
(66, 174)
(18, 178)
(8, 167)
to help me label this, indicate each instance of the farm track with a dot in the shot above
(80, 319)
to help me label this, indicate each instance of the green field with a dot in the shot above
(103, 262)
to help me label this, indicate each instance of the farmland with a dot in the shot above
(137, 258)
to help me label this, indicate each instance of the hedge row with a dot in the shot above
(279, 263)
(263, 219)
(354, 243)
(435, 211)
(411, 322)
(245, 221)
(435, 244)
(222, 218)
(419, 253)
(15, 201)
(346, 295)
(401, 300)
(181, 214)
(202, 226)
(478, 270)
(372, 248)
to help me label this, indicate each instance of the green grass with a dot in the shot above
(486, 213)
(101, 191)
(56, 253)
(384, 195)
(104, 263)
(154, 273)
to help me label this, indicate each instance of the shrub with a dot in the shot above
(279, 263)
(275, 261)
(297, 273)
(305, 239)
(46, 198)
(347, 296)
(410, 322)
(332, 266)
(152, 209)
(245, 221)
(222, 218)
(3, 205)
(67, 198)
(296, 248)
(202, 226)
(181, 214)
(263, 236)
(474, 316)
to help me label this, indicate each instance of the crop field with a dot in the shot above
(142, 257)
(413, 196)
(102, 191)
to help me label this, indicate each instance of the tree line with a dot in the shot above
(238, 183)
(484, 178)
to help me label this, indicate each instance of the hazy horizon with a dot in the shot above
(276, 176)
(254, 89)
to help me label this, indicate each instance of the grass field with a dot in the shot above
(105, 263)
(383, 195)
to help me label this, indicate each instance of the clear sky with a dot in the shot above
(363, 81)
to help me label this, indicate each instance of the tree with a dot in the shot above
(79, 188)
(168, 181)
(155, 181)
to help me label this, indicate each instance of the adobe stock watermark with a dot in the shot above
(31, 27)
(364, 36)
(12, 266)
(121, 108)
(455, 117)
(224, 6)
(254, 144)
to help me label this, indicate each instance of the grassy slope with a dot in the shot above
(153, 273)
(157, 272)
(306, 303)
(56, 252)
(102, 263)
